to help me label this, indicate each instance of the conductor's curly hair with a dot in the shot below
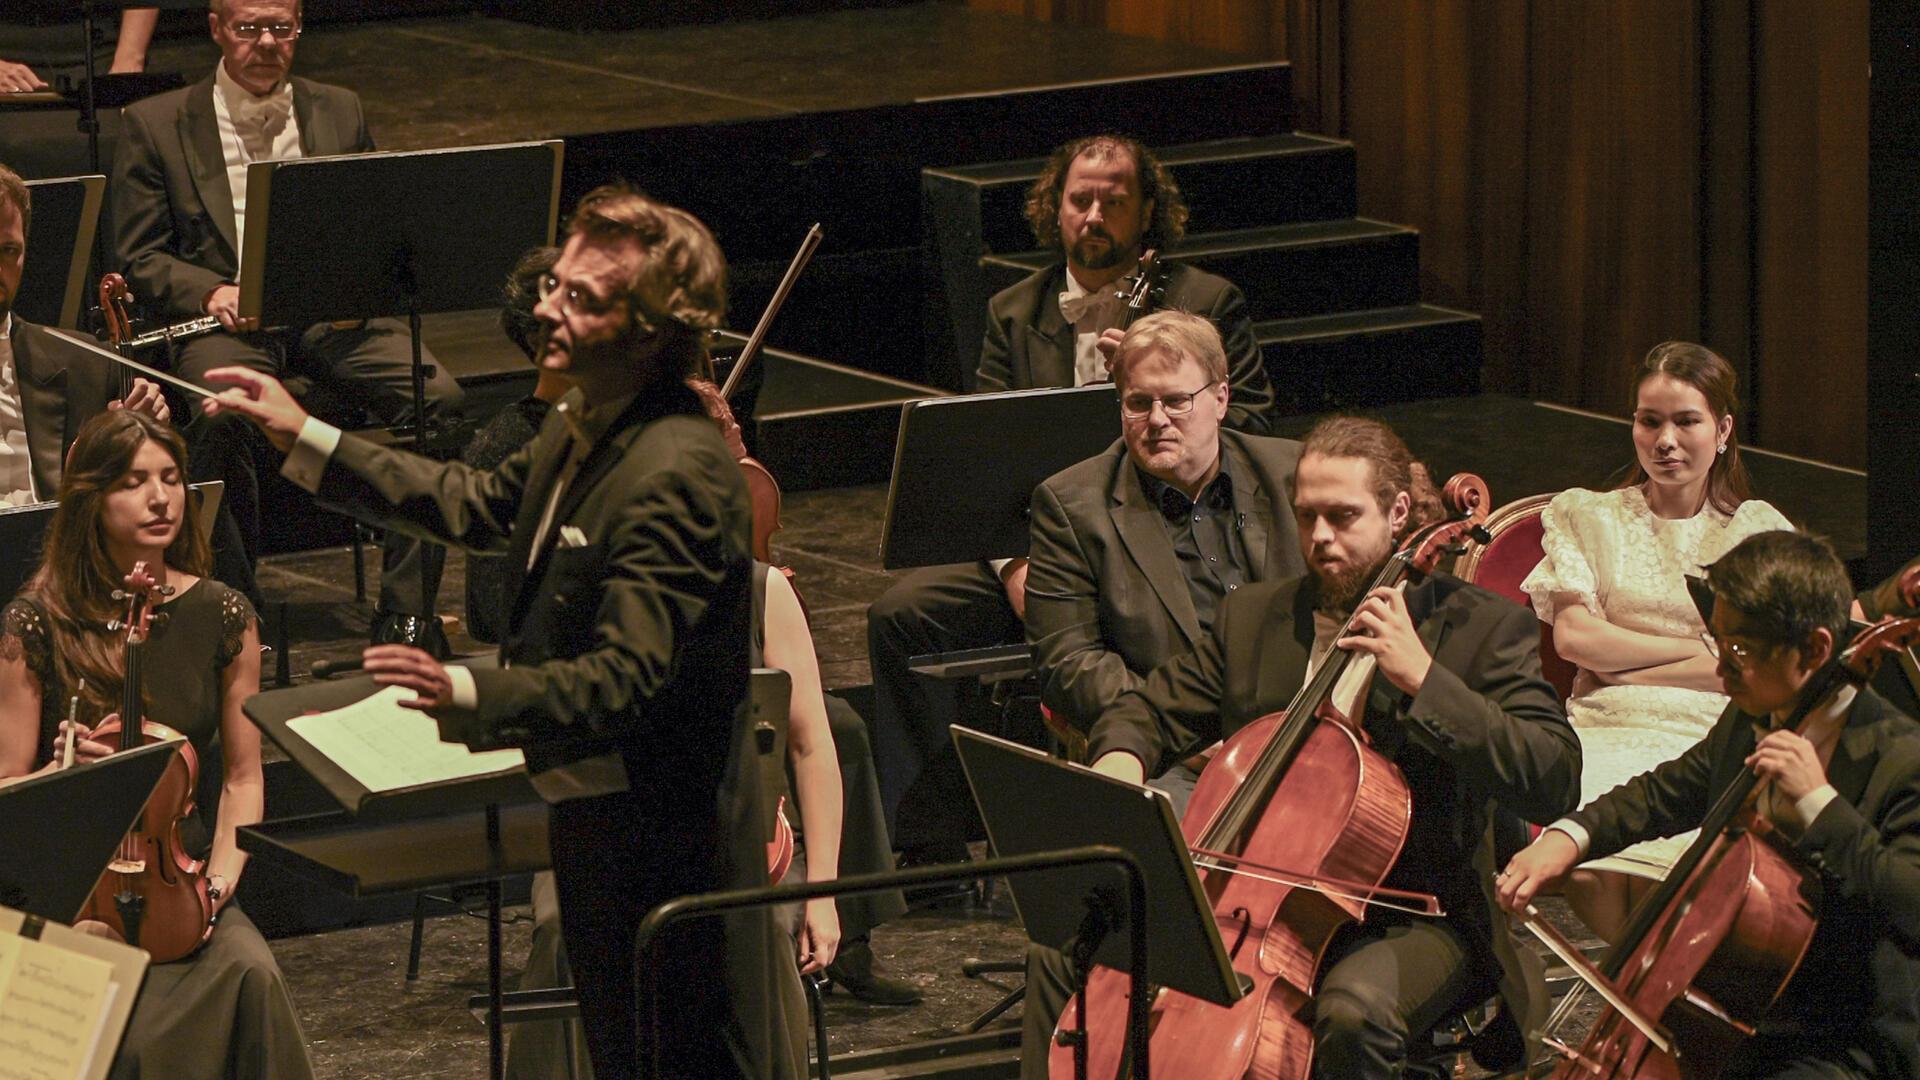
(1169, 221)
(681, 284)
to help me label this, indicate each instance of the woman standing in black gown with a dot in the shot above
(223, 1011)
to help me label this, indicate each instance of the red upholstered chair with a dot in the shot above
(1503, 562)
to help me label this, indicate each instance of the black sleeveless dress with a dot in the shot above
(225, 1010)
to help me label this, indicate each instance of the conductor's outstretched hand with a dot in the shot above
(261, 399)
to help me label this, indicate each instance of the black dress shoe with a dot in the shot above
(393, 628)
(855, 970)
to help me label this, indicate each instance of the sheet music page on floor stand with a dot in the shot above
(387, 747)
(65, 998)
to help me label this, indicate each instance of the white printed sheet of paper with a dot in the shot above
(53, 1008)
(386, 746)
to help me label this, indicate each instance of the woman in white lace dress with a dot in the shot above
(1612, 585)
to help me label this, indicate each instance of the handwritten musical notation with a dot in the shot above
(53, 1004)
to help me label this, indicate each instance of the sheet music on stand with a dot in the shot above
(380, 760)
(65, 999)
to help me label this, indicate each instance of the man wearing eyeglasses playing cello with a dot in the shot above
(1842, 794)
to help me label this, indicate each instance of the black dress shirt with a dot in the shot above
(1205, 533)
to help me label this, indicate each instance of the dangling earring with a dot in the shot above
(1723, 448)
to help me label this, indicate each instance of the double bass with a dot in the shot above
(154, 894)
(1705, 955)
(1293, 826)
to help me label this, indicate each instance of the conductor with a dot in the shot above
(623, 671)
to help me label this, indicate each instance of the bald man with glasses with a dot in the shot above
(179, 206)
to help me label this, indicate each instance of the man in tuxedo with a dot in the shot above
(1457, 702)
(1843, 792)
(1134, 549)
(179, 207)
(623, 672)
(1100, 201)
(48, 387)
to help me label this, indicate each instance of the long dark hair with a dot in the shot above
(1708, 372)
(1169, 221)
(77, 575)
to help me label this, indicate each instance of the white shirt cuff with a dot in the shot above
(314, 447)
(1575, 832)
(999, 567)
(1810, 804)
(466, 694)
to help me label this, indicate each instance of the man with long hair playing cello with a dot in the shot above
(1843, 792)
(1456, 702)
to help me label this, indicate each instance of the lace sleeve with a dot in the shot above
(23, 636)
(1565, 576)
(236, 614)
(1752, 516)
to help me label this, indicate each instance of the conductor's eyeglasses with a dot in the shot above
(253, 31)
(1139, 406)
(571, 299)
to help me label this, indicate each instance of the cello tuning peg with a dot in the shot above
(115, 626)
(165, 590)
(121, 594)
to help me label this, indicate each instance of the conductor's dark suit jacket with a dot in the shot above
(1860, 979)
(61, 386)
(1485, 726)
(1029, 343)
(172, 207)
(1106, 600)
(634, 643)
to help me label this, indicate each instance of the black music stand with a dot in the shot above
(964, 469)
(89, 95)
(1032, 802)
(481, 829)
(66, 217)
(427, 231)
(50, 857)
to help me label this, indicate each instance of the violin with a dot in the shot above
(1705, 955)
(154, 895)
(1293, 825)
(1145, 288)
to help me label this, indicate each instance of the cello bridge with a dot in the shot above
(127, 866)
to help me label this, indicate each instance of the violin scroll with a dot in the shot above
(116, 301)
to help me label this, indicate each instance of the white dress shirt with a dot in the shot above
(1090, 313)
(252, 129)
(16, 466)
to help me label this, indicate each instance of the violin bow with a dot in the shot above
(808, 246)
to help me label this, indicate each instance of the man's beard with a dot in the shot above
(1113, 256)
(1340, 591)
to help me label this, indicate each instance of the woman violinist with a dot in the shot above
(224, 1010)
(1842, 795)
(1612, 585)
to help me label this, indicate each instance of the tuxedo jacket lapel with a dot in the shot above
(555, 443)
(42, 381)
(1139, 524)
(1049, 345)
(200, 141)
(1285, 644)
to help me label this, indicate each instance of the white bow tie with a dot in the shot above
(1073, 307)
(269, 113)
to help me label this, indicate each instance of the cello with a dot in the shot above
(1705, 955)
(1294, 824)
(154, 894)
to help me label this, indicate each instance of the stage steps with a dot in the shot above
(1335, 296)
